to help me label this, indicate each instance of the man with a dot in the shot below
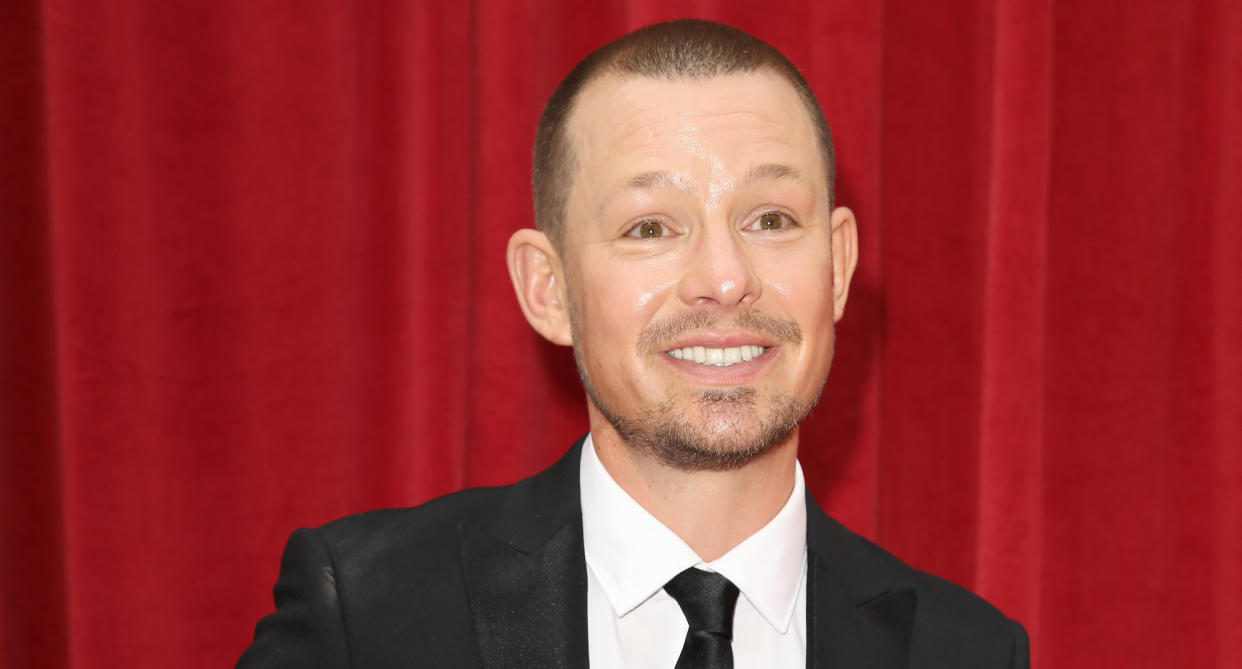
(689, 250)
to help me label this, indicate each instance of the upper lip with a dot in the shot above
(712, 339)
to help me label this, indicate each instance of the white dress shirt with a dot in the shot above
(630, 555)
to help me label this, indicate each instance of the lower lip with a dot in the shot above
(736, 374)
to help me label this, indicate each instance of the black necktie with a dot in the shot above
(707, 599)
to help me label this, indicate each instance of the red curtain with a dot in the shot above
(252, 278)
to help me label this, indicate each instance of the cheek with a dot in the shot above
(803, 283)
(631, 294)
(781, 286)
(617, 304)
(650, 294)
(643, 298)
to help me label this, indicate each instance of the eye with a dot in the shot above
(771, 220)
(648, 229)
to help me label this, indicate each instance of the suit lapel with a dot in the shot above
(854, 617)
(526, 573)
(526, 580)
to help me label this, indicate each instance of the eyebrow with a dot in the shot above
(657, 179)
(660, 179)
(771, 172)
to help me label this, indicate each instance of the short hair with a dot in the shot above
(680, 49)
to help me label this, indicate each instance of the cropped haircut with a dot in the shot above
(691, 49)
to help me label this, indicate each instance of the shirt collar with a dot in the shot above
(632, 554)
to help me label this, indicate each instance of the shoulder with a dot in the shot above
(360, 540)
(521, 514)
(357, 590)
(951, 619)
(349, 592)
(948, 604)
(380, 557)
(950, 625)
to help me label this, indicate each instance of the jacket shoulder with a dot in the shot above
(952, 618)
(521, 513)
(951, 627)
(350, 591)
(384, 559)
(412, 530)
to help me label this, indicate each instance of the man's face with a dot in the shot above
(698, 260)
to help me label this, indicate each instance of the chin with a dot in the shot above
(727, 431)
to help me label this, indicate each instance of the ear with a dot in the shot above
(538, 278)
(844, 257)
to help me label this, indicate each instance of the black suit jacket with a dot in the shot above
(495, 577)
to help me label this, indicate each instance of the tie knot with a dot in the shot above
(706, 598)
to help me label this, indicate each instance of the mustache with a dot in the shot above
(658, 332)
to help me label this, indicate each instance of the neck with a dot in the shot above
(712, 511)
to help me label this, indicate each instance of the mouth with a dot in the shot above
(718, 357)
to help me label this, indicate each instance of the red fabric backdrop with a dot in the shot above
(251, 278)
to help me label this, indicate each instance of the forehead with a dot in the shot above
(698, 129)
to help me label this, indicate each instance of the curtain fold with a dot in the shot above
(1014, 304)
(252, 278)
(33, 616)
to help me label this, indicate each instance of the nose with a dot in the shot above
(719, 271)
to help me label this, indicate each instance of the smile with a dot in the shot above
(719, 357)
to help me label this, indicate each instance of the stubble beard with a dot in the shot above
(725, 442)
(663, 432)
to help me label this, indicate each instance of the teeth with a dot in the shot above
(718, 357)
